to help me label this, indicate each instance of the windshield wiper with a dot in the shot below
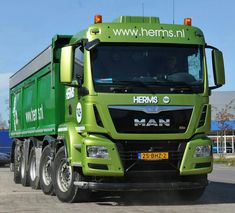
(176, 86)
(167, 82)
(129, 86)
(120, 89)
(182, 86)
(134, 83)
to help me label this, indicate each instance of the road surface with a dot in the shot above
(218, 197)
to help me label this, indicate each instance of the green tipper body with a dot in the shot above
(80, 116)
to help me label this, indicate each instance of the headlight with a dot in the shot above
(203, 151)
(97, 152)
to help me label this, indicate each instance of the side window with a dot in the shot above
(78, 63)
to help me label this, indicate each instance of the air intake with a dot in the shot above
(97, 117)
(203, 117)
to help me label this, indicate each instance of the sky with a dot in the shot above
(27, 27)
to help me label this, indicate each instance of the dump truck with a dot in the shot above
(120, 106)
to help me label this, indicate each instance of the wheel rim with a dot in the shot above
(46, 173)
(64, 176)
(33, 168)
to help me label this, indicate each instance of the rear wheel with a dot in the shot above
(24, 173)
(64, 177)
(33, 178)
(45, 172)
(16, 167)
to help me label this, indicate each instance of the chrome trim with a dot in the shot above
(77, 165)
(32, 131)
(77, 146)
(151, 109)
(80, 128)
(63, 129)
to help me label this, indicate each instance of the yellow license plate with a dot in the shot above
(153, 155)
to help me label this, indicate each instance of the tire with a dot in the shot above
(16, 167)
(45, 172)
(64, 177)
(24, 173)
(33, 178)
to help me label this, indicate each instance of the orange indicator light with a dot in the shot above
(97, 19)
(188, 21)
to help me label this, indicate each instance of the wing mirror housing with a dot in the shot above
(66, 64)
(218, 67)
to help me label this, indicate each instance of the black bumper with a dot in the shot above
(140, 186)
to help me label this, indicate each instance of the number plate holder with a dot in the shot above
(153, 155)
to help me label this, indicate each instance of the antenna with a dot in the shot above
(173, 2)
(143, 9)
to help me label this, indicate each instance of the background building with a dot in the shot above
(223, 121)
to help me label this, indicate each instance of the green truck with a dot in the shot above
(120, 106)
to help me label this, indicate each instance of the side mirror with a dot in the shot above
(218, 67)
(66, 64)
(92, 44)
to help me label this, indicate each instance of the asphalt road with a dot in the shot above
(218, 197)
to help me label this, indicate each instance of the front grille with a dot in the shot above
(150, 119)
(129, 150)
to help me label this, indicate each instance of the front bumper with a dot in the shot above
(113, 166)
(141, 186)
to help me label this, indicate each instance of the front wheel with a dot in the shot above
(64, 177)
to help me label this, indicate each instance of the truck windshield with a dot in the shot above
(145, 68)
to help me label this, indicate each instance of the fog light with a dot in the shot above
(97, 152)
(203, 151)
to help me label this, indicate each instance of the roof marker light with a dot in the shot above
(98, 19)
(188, 21)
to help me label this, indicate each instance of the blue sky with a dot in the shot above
(27, 26)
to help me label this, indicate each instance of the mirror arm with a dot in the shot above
(211, 47)
(82, 91)
(70, 85)
(215, 87)
(84, 42)
(90, 45)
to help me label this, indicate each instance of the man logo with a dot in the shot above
(152, 122)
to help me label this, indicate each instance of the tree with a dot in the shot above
(3, 123)
(223, 116)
